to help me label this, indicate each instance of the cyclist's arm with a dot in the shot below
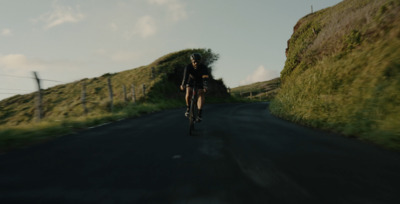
(185, 76)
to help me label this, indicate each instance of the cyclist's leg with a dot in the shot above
(201, 99)
(189, 91)
(200, 103)
(188, 96)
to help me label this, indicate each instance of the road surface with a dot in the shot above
(240, 153)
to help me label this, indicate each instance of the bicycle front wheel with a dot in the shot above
(192, 116)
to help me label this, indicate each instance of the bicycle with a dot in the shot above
(193, 109)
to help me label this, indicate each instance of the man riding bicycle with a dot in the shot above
(195, 72)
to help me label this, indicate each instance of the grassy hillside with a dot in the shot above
(343, 71)
(265, 90)
(62, 105)
(64, 101)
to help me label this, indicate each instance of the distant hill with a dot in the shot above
(265, 90)
(64, 101)
(342, 71)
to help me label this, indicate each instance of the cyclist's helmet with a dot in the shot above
(195, 57)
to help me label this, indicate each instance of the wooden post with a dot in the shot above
(153, 73)
(144, 90)
(133, 93)
(84, 98)
(110, 93)
(251, 95)
(124, 89)
(39, 106)
(312, 10)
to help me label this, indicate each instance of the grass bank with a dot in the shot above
(34, 133)
(259, 91)
(346, 81)
(106, 98)
(28, 134)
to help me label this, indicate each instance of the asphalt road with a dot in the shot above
(239, 154)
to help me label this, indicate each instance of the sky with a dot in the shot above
(68, 40)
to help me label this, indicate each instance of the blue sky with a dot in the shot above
(69, 40)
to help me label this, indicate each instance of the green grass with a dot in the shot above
(23, 135)
(29, 134)
(64, 113)
(351, 82)
(64, 101)
(264, 91)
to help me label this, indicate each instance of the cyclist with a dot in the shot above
(195, 71)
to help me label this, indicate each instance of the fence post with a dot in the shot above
(144, 90)
(251, 95)
(84, 98)
(133, 93)
(153, 73)
(39, 106)
(110, 93)
(124, 89)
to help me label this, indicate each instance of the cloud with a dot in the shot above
(260, 74)
(176, 9)
(101, 52)
(148, 25)
(60, 15)
(17, 64)
(145, 27)
(113, 27)
(21, 65)
(6, 32)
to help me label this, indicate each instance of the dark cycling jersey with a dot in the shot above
(200, 75)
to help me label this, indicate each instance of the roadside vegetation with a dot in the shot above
(63, 108)
(342, 71)
(259, 91)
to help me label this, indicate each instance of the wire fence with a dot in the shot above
(26, 77)
(254, 95)
(261, 95)
(15, 91)
(84, 99)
